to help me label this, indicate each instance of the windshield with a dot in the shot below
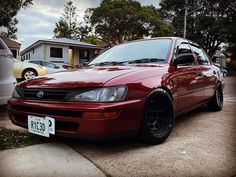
(146, 51)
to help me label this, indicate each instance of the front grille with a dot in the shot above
(48, 94)
(47, 112)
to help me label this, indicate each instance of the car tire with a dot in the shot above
(29, 74)
(216, 104)
(158, 117)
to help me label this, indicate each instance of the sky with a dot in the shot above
(38, 21)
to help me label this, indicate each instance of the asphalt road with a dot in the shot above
(202, 143)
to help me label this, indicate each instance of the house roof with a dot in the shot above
(10, 43)
(60, 41)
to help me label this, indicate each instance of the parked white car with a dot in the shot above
(7, 80)
(50, 66)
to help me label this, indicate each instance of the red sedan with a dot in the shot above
(137, 88)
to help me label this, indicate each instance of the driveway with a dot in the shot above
(201, 144)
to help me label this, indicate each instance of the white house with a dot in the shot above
(63, 51)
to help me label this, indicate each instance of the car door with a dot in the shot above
(206, 75)
(184, 78)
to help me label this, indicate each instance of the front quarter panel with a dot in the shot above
(141, 83)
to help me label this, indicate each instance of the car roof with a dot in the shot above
(173, 38)
(155, 38)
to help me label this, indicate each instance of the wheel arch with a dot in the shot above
(161, 87)
(29, 69)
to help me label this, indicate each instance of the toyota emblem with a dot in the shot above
(40, 94)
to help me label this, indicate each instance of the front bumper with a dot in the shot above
(71, 122)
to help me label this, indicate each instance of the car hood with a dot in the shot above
(85, 77)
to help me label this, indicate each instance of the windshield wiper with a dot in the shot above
(146, 60)
(142, 60)
(106, 63)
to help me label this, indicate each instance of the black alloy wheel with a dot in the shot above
(158, 118)
(216, 104)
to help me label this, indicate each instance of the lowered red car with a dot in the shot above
(137, 88)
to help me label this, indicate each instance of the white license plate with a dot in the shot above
(41, 125)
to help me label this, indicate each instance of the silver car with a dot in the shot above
(7, 80)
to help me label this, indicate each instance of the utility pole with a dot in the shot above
(185, 17)
(186, 13)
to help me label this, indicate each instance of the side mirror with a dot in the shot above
(183, 59)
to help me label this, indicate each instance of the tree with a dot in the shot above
(67, 24)
(8, 11)
(211, 22)
(83, 32)
(62, 29)
(116, 21)
(154, 22)
(92, 39)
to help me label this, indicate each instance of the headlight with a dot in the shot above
(17, 92)
(106, 94)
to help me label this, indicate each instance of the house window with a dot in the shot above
(55, 52)
(84, 55)
(14, 53)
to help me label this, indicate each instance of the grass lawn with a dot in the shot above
(13, 139)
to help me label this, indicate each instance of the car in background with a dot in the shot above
(7, 80)
(25, 71)
(50, 66)
(137, 88)
(224, 72)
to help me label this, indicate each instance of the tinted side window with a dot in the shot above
(202, 60)
(207, 57)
